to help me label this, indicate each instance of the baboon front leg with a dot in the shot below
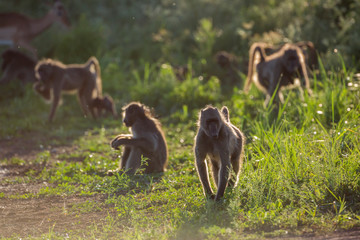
(115, 143)
(224, 174)
(55, 104)
(203, 173)
(272, 90)
(215, 171)
(142, 143)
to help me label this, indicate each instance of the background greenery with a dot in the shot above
(302, 167)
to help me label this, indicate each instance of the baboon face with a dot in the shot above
(131, 113)
(291, 60)
(42, 73)
(210, 120)
(45, 73)
(61, 14)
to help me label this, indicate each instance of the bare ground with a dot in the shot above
(36, 216)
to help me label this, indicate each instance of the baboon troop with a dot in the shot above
(56, 77)
(273, 73)
(17, 65)
(147, 141)
(218, 144)
(223, 144)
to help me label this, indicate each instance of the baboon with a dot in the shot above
(17, 65)
(223, 143)
(55, 77)
(101, 104)
(147, 140)
(227, 71)
(225, 59)
(278, 70)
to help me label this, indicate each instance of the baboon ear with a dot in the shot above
(225, 112)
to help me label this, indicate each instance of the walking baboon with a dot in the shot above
(17, 65)
(276, 71)
(56, 77)
(101, 104)
(223, 143)
(147, 140)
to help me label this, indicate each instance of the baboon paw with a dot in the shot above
(114, 144)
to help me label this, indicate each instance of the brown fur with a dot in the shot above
(280, 68)
(104, 104)
(56, 77)
(17, 65)
(223, 143)
(147, 140)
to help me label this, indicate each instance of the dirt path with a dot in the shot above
(24, 217)
(36, 216)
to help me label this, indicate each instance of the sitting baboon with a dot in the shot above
(223, 143)
(277, 71)
(17, 65)
(101, 104)
(147, 140)
(55, 77)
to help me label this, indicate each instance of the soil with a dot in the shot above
(37, 216)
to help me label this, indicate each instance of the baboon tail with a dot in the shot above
(253, 49)
(225, 112)
(93, 65)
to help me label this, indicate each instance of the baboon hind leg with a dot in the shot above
(236, 165)
(134, 160)
(125, 157)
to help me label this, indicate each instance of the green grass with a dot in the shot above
(301, 171)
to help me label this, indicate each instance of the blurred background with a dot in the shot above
(151, 51)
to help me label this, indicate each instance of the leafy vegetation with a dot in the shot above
(301, 173)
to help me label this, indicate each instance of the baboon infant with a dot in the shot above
(55, 77)
(104, 104)
(147, 140)
(223, 144)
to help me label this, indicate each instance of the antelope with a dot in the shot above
(18, 30)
